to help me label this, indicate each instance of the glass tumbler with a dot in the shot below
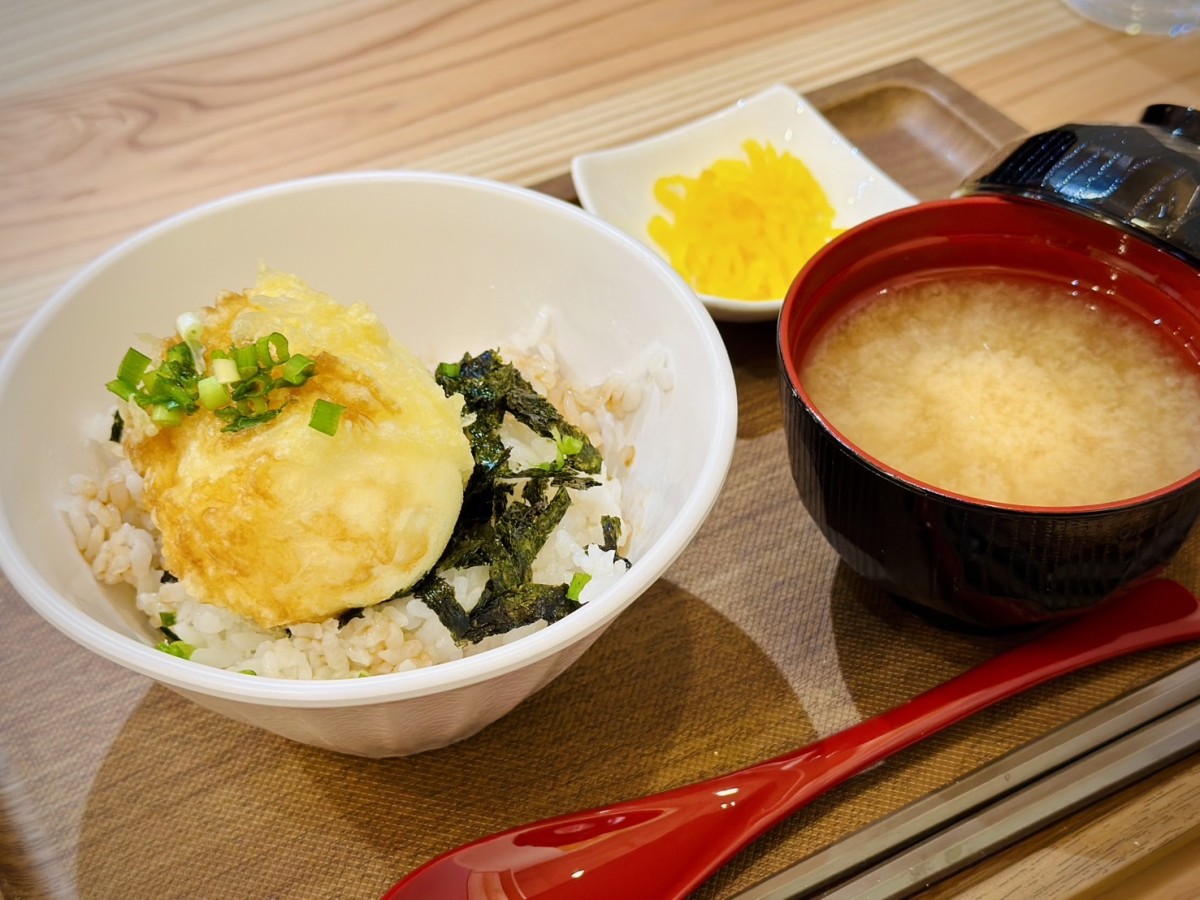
(1166, 17)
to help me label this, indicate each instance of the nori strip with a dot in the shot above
(508, 547)
(346, 616)
(610, 527)
(563, 477)
(499, 613)
(521, 530)
(492, 387)
(117, 428)
(495, 528)
(438, 595)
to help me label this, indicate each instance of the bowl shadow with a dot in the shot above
(234, 808)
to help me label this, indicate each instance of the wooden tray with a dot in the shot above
(754, 642)
(919, 126)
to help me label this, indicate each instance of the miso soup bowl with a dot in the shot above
(961, 560)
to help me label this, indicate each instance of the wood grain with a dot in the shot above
(111, 121)
(1140, 842)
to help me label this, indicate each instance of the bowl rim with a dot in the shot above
(795, 386)
(441, 677)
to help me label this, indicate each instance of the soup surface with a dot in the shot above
(1010, 391)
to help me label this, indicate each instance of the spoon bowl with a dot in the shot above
(667, 844)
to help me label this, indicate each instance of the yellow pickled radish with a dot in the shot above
(743, 228)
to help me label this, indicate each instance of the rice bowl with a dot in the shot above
(487, 258)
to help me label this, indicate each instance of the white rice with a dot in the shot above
(115, 533)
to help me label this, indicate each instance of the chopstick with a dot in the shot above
(932, 838)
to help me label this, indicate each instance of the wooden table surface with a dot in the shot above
(115, 114)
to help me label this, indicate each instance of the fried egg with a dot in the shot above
(280, 522)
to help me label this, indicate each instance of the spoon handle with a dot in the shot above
(665, 845)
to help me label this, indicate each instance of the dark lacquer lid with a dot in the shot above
(1144, 178)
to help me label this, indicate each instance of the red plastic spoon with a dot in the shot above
(665, 845)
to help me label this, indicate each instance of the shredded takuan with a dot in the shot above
(743, 228)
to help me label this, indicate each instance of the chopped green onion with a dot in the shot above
(166, 619)
(255, 386)
(190, 327)
(578, 581)
(178, 356)
(225, 370)
(213, 394)
(133, 366)
(325, 416)
(197, 356)
(166, 416)
(570, 445)
(182, 649)
(247, 672)
(238, 422)
(176, 392)
(297, 370)
(448, 370)
(279, 347)
(150, 383)
(254, 405)
(238, 391)
(247, 361)
(271, 350)
(122, 389)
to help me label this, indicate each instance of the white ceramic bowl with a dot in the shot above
(617, 184)
(450, 264)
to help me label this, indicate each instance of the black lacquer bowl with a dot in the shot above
(963, 560)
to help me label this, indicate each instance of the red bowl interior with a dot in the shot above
(977, 235)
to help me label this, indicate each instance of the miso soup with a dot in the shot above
(1010, 391)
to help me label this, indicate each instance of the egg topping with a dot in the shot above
(284, 522)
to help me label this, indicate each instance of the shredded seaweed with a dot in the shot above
(521, 531)
(117, 428)
(610, 527)
(524, 604)
(349, 615)
(499, 527)
(438, 595)
(492, 388)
